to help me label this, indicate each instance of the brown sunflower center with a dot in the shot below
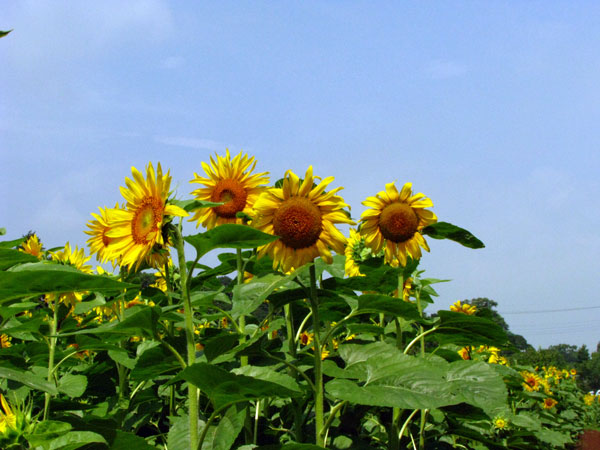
(232, 194)
(145, 220)
(297, 222)
(105, 238)
(398, 222)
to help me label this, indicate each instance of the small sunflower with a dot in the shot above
(303, 215)
(5, 341)
(8, 419)
(99, 241)
(137, 231)
(532, 382)
(70, 257)
(32, 246)
(352, 252)
(500, 423)
(230, 182)
(465, 308)
(588, 399)
(465, 353)
(394, 222)
(549, 403)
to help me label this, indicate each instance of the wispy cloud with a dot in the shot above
(200, 144)
(440, 69)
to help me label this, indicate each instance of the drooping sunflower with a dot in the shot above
(231, 182)
(138, 229)
(394, 222)
(32, 246)
(352, 252)
(303, 215)
(98, 228)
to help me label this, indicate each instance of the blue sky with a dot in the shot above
(489, 108)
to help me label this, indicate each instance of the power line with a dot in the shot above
(539, 311)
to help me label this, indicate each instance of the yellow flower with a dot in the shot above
(465, 353)
(137, 229)
(353, 247)
(465, 308)
(532, 381)
(306, 338)
(573, 372)
(230, 182)
(5, 341)
(99, 241)
(8, 419)
(549, 403)
(303, 215)
(32, 246)
(500, 423)
(394, 222)
(588, 399)
(75, 258)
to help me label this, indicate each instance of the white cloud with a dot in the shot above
(200, 144)
(440, 69)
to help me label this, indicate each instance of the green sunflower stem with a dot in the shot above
(242, 319)
(394, 434)
(318, 370)
(189, 334)
(422, 339)
(51, 353)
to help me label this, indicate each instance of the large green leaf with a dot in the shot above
(28, 379)
(10, 257)
(374, 303)
(445, 230)
(249, 296)
(228, 236)
(46, 431)
(12, 244)
(2, 34)
(463, 329)
(223, 435)
(384, 376)
(270, 375)
(141, 322)
(75, 439)
(191, 205)
(41, 278)
(72, 385)
(224, 388)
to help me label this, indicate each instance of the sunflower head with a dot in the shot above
(303, 215)
(98, 229)
(354, 247)
(32, 246)
(136, 232)
(464, 308)
(549, 403)
(500, 423)
(531, 381)
(393, 222)
(231, 182)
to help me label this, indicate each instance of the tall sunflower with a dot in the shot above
(138, 229)
(230, 182)
(99, 241)
(303, 215)
(394, 222)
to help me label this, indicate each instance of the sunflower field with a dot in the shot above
(298, 337)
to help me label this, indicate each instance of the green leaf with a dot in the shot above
(179, 433)
(375, 303)
(191, 205)
(249, 296)
(72, 385)
(270, 375)
(10, 257)
(445, 230)
(153, 363)
(2, 34)
(28, 379)
(553, 437)
(122, 358)
(224, 388)
(46, 431)
(42, 278)
(12, 244)
(140, 323)
(3, 230)
(463, 329)
(228, 236)
(75, 439)
(223, 435)
(129, 441)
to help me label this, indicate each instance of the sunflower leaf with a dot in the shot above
(192, 205)
(2, 231)
(445, 230)
(2, 34)
(228, 235)
(10, 257)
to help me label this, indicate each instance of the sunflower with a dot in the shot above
(32, 246)
(549, 403)
(99, 241)
(8, 419)
(5, 341)
(75, 258)
(352, 252)
(467, 309)
(136, 231)
(230, 182)
(500, 423)
(394, 222)
(303, 215)
(532, 382)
